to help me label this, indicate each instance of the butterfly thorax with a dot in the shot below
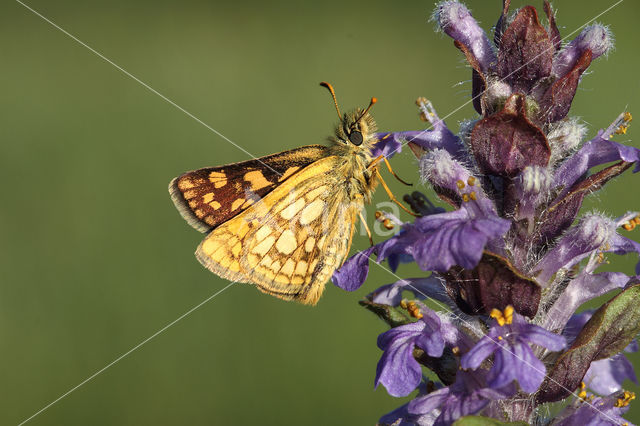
(353, 139)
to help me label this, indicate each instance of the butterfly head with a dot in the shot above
(356, 128)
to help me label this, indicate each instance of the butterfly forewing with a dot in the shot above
(290, 241)
(211, 196)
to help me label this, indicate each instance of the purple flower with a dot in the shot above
(398, 370)
(436, 242)
(513, 245)
(509, 341)
(467, 395)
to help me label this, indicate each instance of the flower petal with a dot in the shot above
(535, 334)
(431, 340)
(580, 290)
(607, 375)
(354, 271)
(595, 152)
(397, 370)
(391, 294)
(454, 238)
(456, 21)
(481, 351)
(427, 403)
(516, 362)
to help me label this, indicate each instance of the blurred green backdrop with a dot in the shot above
(93, 256)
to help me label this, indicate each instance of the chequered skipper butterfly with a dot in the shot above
(284, 222)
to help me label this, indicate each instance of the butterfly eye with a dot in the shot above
(355, 137)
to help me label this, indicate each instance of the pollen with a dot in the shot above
(460, 184)
(471, 181)
(414, 310)
(625, 399)
(455, 350)
(627, 117)
(473, 196)
(622, 130)
(465, 198)
(503, 317)
(631, 224)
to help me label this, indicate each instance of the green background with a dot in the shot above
(93, 256)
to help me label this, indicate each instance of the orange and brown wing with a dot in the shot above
(211, 196)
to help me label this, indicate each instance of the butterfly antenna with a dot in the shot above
(333, 95)
(371, 103)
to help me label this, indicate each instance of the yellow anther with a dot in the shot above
(637, 220)
(629, 226)
(583, 385)
(600, 257)
(378, 214)
(582, 394)
(627, 117)
(387, 224)
(460, 184)
(499, 337)
(497, 315)
(423, 116)
(465, 198)
(414, 310)
(403, 303)
(472, 195)
(422, 100)
(471, 181)
(455, 350)
(622, 130)
(625, 399)
(508, 314)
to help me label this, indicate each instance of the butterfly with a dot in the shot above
(285, 222)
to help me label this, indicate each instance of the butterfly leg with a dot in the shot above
(366, 227)
(394, 173)
(392, 197)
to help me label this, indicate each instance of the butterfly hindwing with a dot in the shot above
(290, 242)
(211, 196)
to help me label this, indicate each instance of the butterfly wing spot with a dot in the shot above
(312, 212)
(256, 179)
(215, 205)
(289, 267)
(312, 195)
(218, 179)
(207, 198)
(287, 242)
(301, 267)
(237, 203)
(308, 245)
(263, 247)
(185, 184)
(290, 211)
(263, 233)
